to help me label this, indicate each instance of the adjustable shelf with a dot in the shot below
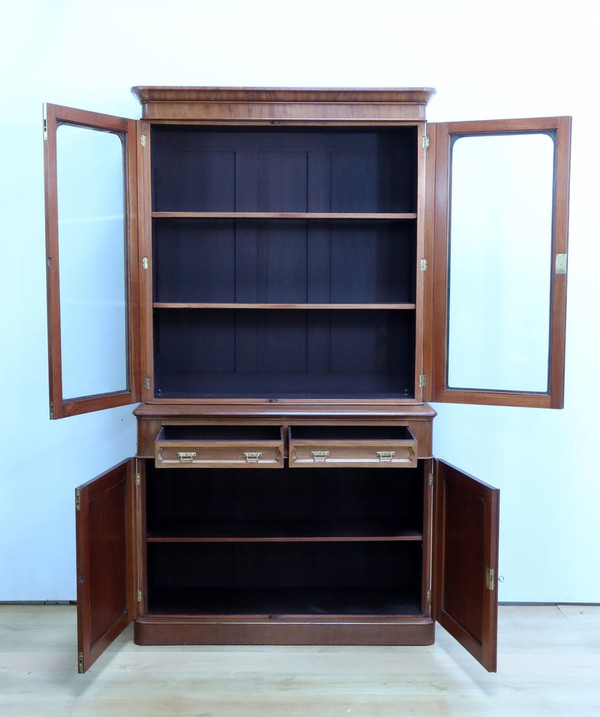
(307, 307)
(329, 216)
(308, 531)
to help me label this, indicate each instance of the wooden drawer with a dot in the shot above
(352, 446)
(219, 447)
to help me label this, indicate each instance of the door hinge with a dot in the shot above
(489, 578)
(147, 383)
(145, 262)
(143, 140)
(80, 663)
(77, 499)
(51, 410)
(425, 142)
(424, 265)
(429, 597)
(560, 265)
(138, 479)
(431, 478)
(422, 380)
(45, 120)
(139, 596)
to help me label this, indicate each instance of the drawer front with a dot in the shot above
(353, 452)
(202, 455)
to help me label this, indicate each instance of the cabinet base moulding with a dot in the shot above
(283, 631)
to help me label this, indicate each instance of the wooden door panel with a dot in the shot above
(465, 600)
(106, 574)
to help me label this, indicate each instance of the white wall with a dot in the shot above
(486, 60)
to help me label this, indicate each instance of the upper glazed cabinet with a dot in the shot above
(252, 245)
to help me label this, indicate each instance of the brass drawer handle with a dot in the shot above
(386, 455)
(320, 455)
(186, 456)
(252, 456)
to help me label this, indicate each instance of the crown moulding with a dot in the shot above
(237, 104)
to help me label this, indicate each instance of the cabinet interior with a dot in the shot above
(277, 169)
(291, 252)
(340, 541)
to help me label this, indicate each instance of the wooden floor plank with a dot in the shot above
(548, 664)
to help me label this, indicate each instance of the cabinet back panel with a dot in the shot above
(290, 169)
(371, 565)
(284, 262)
(267, 353)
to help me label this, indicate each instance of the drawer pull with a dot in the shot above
(320, 455)
(186, 456)
(252, 456)
(386, 455)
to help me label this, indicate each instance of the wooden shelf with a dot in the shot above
(302, 307)
(342, 216)
(281, 532)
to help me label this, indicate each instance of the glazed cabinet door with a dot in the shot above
(497, 233)
(91, 260)
(106, 560)
(465, 561)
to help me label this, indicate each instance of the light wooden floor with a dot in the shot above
(549, 664)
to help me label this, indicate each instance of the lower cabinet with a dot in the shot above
(353, 539)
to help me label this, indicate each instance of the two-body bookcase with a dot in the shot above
(271, 275)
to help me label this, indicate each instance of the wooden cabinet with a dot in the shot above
(288, 264)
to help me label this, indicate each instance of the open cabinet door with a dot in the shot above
(465, 561)
(91, 260)
(497, 234)
(106, 568)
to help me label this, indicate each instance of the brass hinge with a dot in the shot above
(422, 380)
(145, 262)
(489, 578)
(560, 265)
(143, 140)
(425, 142)
(51, 410)
(77, 499)
(147, 383)
(423, 264)
(139, 596)
(429, 597)
(138, 479)
(80, 663)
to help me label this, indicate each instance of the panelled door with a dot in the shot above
(465, 561)
(106, 560)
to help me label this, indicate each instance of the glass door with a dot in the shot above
(499, 234)
(91, 260)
